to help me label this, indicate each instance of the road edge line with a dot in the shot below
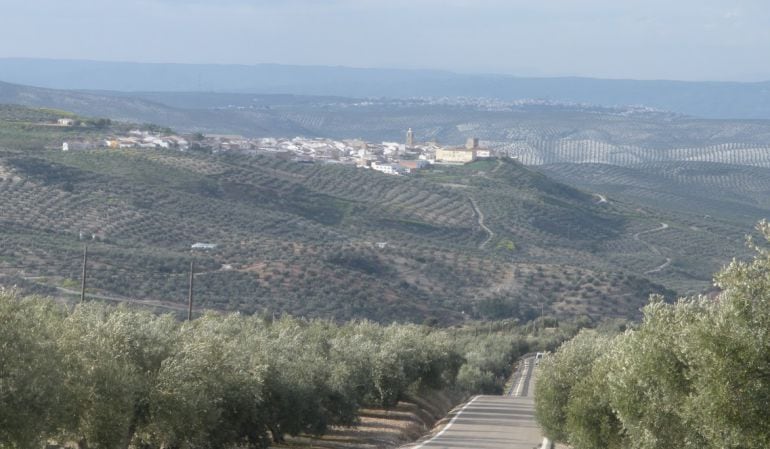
(448, 425)
(522, 379)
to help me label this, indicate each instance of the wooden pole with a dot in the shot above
(542, 322)
(190, 291)
(83, 278)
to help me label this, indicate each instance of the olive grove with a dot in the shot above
(117, 377)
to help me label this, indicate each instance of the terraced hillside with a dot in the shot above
(728, 199)
(491, 239)
(552, 223)
(488, 239)
(291, 238)
(735, 192)
(581, 151)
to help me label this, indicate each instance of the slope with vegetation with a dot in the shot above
(713, 203)
(303, 238)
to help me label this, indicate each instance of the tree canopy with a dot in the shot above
(108, 377)
(693, 374)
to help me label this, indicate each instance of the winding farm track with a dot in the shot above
(479, 214)
(168, 305)
(497, 167)
(653, 248)
(480, 219)
(602, 198)
(660, 267)
(144, 302)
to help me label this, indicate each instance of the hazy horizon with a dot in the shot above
(397, 69)
(688, 40)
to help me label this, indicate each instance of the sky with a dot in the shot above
(716, 40)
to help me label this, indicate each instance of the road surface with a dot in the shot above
(492, 422)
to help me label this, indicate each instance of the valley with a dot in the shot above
(384, 225)
(487, 240)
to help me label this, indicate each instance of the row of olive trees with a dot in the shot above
(107, 377)
(695, 374)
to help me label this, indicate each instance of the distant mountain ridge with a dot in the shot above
(141, 110)
(536, 132)
(700, 99)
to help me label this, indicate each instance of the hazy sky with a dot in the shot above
(643, 39)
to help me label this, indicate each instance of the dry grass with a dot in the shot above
(381, 429)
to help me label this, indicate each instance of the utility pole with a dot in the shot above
(542, 322)
(83, 279)
(190, 291)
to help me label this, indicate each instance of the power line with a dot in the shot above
(90, 268)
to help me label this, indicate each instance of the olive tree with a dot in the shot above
(209, 392)
(35, 400)
(115, 356)
(728, 347)
(308, 386)
(564, 384)
(649, 378)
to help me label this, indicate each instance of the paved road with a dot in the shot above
(493, 422)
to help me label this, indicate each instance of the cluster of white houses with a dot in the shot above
(148, 140)
(134, 139)
(392, 158)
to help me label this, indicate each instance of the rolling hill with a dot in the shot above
(324, 239)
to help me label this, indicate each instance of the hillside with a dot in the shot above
(733, 192)
(322, 239)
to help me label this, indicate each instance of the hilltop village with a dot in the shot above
(391, 158)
